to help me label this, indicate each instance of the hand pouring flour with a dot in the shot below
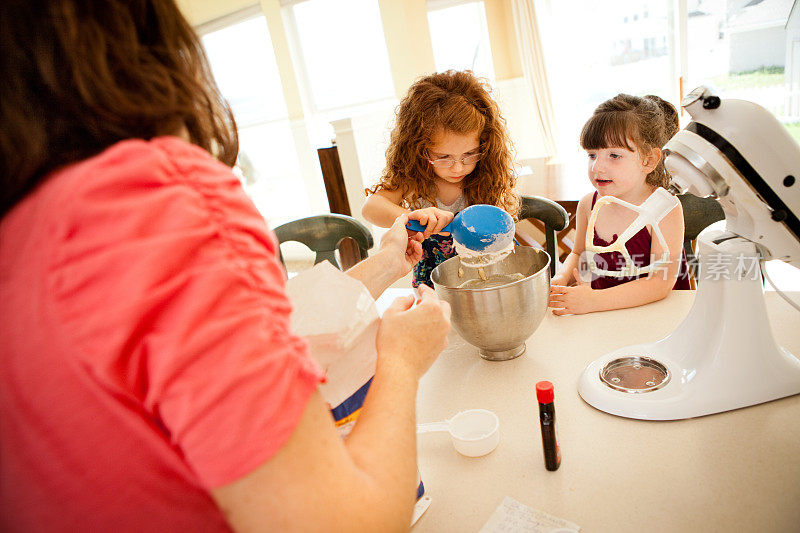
(337, 316)
(482, 235)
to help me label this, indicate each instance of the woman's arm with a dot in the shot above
(396, 256)
(583, 299)
(383, 207)
(317, 481)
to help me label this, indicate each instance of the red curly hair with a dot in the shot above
(458, 102)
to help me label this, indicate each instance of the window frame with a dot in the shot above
(301, 69)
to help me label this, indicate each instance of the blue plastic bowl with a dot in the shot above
(477, 227)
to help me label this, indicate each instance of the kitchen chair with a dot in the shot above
(552, 216)
(323, 234)
(698, 213)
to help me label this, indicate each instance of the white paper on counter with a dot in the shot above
(420, 507)
(338, 317)
(512, 516)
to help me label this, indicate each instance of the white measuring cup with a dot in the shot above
(474, 432)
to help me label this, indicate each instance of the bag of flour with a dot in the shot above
(337, 316)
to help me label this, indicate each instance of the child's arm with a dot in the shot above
(565, 277)
(383, 207)
(582, 298)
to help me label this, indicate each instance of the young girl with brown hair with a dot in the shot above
(449, 149)
(623, 141)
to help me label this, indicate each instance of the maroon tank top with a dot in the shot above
(638, 247)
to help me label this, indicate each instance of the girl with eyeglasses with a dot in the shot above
(449, 149)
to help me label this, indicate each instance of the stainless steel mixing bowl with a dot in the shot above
(497, 320)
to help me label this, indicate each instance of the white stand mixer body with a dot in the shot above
(722, 356)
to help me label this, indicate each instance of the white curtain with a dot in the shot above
(533, 67)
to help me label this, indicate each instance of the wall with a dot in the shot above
(502, 39)
(408, 41)
(751, 50)
(201, 11)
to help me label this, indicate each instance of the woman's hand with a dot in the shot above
(414, 335)
(575, 300)
(402, 246)
(433, 218)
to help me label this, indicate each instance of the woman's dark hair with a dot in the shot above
(647, 122)
(78, 76)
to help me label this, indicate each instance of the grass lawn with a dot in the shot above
(794, 130)
(763, 77)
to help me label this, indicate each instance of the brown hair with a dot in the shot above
(649, 122)
(458, 102)
(81, 75)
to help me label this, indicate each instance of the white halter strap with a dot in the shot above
(650, 213)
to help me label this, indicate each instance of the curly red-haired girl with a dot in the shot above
(449, 149)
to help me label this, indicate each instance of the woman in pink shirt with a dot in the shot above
(149, 380)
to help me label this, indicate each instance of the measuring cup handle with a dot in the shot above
(433, 426)
(414, 225)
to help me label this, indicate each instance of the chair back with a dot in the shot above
(698, 214)
(552, 215)
(323, 235)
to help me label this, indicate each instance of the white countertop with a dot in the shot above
(734, 471)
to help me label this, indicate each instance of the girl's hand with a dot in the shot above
(433, 218)
(575, 300)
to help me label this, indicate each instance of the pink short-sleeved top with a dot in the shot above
(146, 352)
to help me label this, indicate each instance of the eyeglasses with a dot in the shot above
(447, 162)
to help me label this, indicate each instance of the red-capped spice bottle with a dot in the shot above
(547, 420)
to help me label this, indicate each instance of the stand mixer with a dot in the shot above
(723, 355)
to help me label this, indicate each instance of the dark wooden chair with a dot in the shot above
(698, 214)
(324, 234)
(550, 218)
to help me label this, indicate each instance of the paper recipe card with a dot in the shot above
(512, 516)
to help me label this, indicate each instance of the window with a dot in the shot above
(341, 61)
(245, 69)
(246, 72)
(274, 181)
(343, 51)
(606, 50)
(744, 49)
(460, 37)
(740, 50)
